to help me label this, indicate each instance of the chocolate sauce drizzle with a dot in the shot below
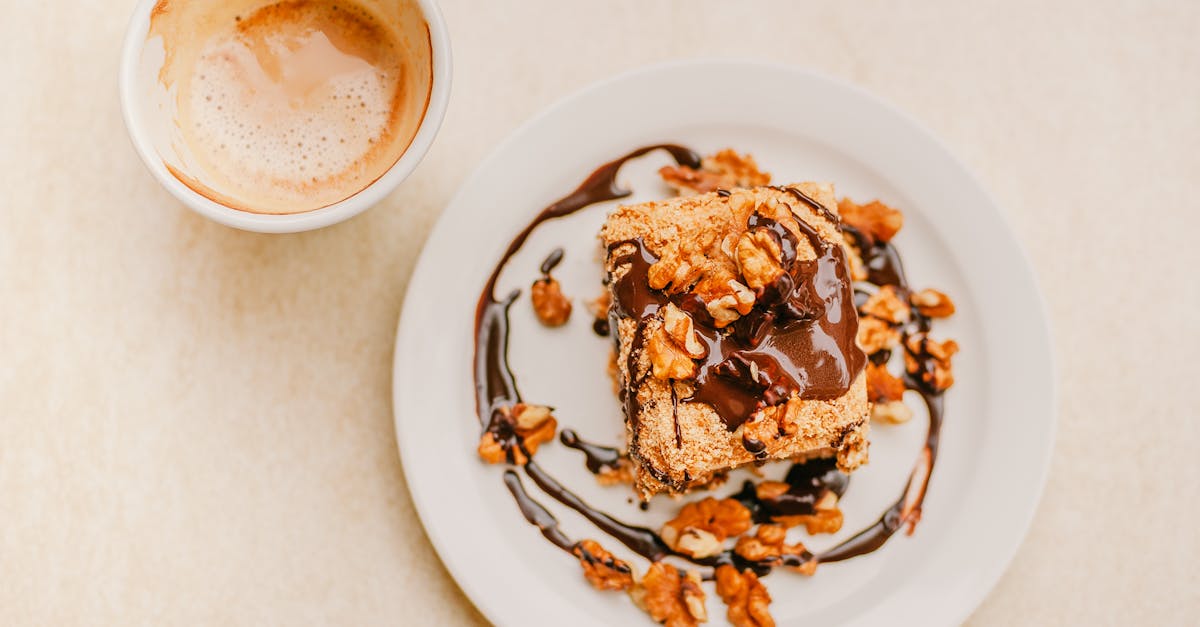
(798, 300)
(551, 262)
(597, 458)
(884, 267)
(536, 514)
(495, 385)
(807, 483)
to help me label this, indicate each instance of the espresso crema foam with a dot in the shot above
(294, 106)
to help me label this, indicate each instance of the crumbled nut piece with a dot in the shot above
(854, 450)
(680, 329)
(932, 303)
(491, 450)
(874, 219)
(604, 571)
(875, 335)
(701, 527)
(759, 258)
(724, 170)
(679, 265)
(621, 473)
(599, 306)
(891, 412)
(673, 345)
(737, 302)
(887, 305)
(781, 212)
(696, 542)
(516, 431)
(747, 598)
(549, 303)
(768, 543)
(808, 568)
(771, 490)
(532, 418)
(882, 385)
(824, 521)
(667, 359)
(693, 596)
(936, 372)
(770, 423)
(669, 598)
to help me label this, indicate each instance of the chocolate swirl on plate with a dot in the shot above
(496, 385)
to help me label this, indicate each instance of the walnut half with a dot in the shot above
(701, 527)
(747, 598)
(673, 345)
(515, 431)
(601, 569)
(670, 598)
(553, 309)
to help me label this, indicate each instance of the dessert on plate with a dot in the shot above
(751, 325)
(734, 317)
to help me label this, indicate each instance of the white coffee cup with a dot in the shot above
(151, 125)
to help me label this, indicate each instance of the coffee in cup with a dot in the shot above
(286, 107)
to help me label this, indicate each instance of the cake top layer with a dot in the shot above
(752, 290)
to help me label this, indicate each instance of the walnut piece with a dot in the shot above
(516, 431)
(680, 329)
(932, 303)
(599, 306)
(759, 258)
(735, 303)
(936, 373)
(746, 597)
(882, 385)
(679, 265)
(887, 305)
(891, 412)
(771, 490)
(768, 544)
(875, 335)
(701, 527)
(771, 424)
(670, 599)
(874, 219)
(549, 303)
(601, 569)
(723, 170)
(622, 473)
(671, 346)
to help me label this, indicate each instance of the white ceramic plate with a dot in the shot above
(999, 427)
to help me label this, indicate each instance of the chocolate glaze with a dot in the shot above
(496, 386)
(767, 355)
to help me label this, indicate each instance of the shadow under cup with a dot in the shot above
(282, 107)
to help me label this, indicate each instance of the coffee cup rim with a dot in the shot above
(435, 112)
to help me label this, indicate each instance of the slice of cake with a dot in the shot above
(734, 319)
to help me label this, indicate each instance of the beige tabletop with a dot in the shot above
(196, 425)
